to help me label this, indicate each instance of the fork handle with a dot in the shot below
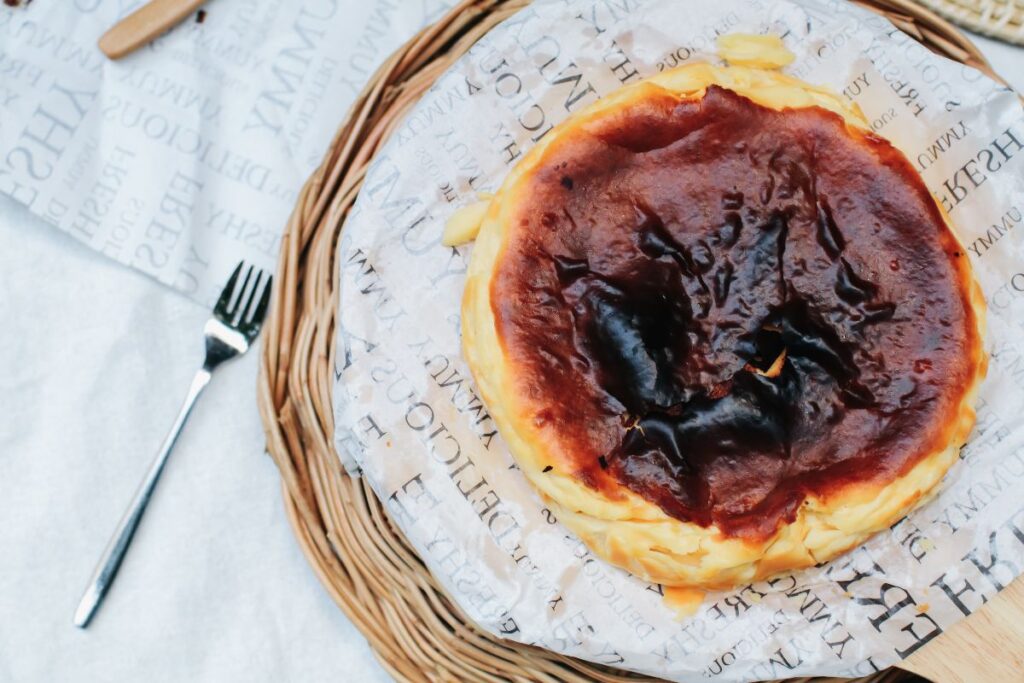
(115, 551)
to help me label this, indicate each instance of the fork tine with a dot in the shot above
(237, 305)
(261, 307)
(229, 289)
(250, 301)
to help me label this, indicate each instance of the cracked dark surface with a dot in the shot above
(670, 256)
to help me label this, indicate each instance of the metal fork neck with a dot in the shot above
(222, 343)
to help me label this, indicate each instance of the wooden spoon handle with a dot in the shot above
(145, 24)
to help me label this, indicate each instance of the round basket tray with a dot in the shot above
(362, 559)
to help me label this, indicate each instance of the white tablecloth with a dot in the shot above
(94, 360)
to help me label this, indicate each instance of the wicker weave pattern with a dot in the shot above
(362, 560)
(1003, 19)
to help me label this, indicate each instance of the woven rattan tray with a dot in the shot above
(1003, 19)
(417, 633)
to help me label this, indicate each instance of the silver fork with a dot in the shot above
(236, 322)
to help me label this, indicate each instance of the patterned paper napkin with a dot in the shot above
(187, 156)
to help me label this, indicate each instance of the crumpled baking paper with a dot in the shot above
(408, 416)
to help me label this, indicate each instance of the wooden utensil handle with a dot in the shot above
(145, 24)
(987, 646)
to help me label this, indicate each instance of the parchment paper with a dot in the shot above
(186, 156)
(409, 419)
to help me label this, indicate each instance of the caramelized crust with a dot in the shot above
(723, 336)
(662, 256)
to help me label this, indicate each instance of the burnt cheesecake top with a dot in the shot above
(726, 308)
